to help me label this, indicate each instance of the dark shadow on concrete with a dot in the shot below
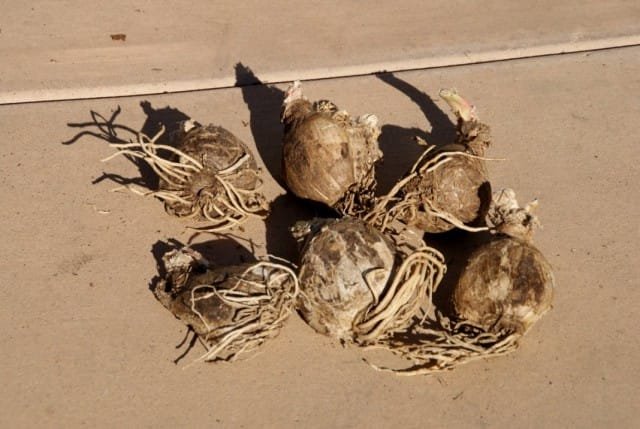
(264, 104)
(223, 251)
(456, 246)
(168, 117)
(398, 143)
(110, 130)
(107, 129)
(286, 210)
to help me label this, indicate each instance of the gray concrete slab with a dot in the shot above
(53, 50)
(84, 343)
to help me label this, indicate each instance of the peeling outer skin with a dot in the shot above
(357, 285)
(326, 153)
(176, 297)
(344, 269)
(317, 164)
(507, 285)
(232, 309)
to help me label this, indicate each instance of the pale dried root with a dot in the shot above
(174, 173)
(438, 345)
(417, 277)
(224, 211)
(396, 207)
(359, 199)
(259, 314)
(235, 208)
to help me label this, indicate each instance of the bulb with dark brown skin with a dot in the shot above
(329, 157)
(187, 273)
(507, 284)
(233, 309)
(218, 150)
(459, 188)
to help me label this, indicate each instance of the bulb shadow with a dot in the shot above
(110, 130)
(219, 252)
(456, 246)
(286, 210)
(264, 104)
(398, 144)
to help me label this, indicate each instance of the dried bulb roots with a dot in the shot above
(232, 309)
(210, 176)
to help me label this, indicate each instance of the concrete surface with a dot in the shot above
(84, 342)
(62, 49)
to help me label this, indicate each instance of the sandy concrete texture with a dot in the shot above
(52, 49)
(84, 342)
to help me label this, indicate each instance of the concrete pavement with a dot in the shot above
(84, 342)
(60, 50)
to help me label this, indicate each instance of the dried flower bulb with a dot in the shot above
(209, 176)
(357, 285)
(508, 284)
(232, 309)
(447, 187)
(328, 156)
